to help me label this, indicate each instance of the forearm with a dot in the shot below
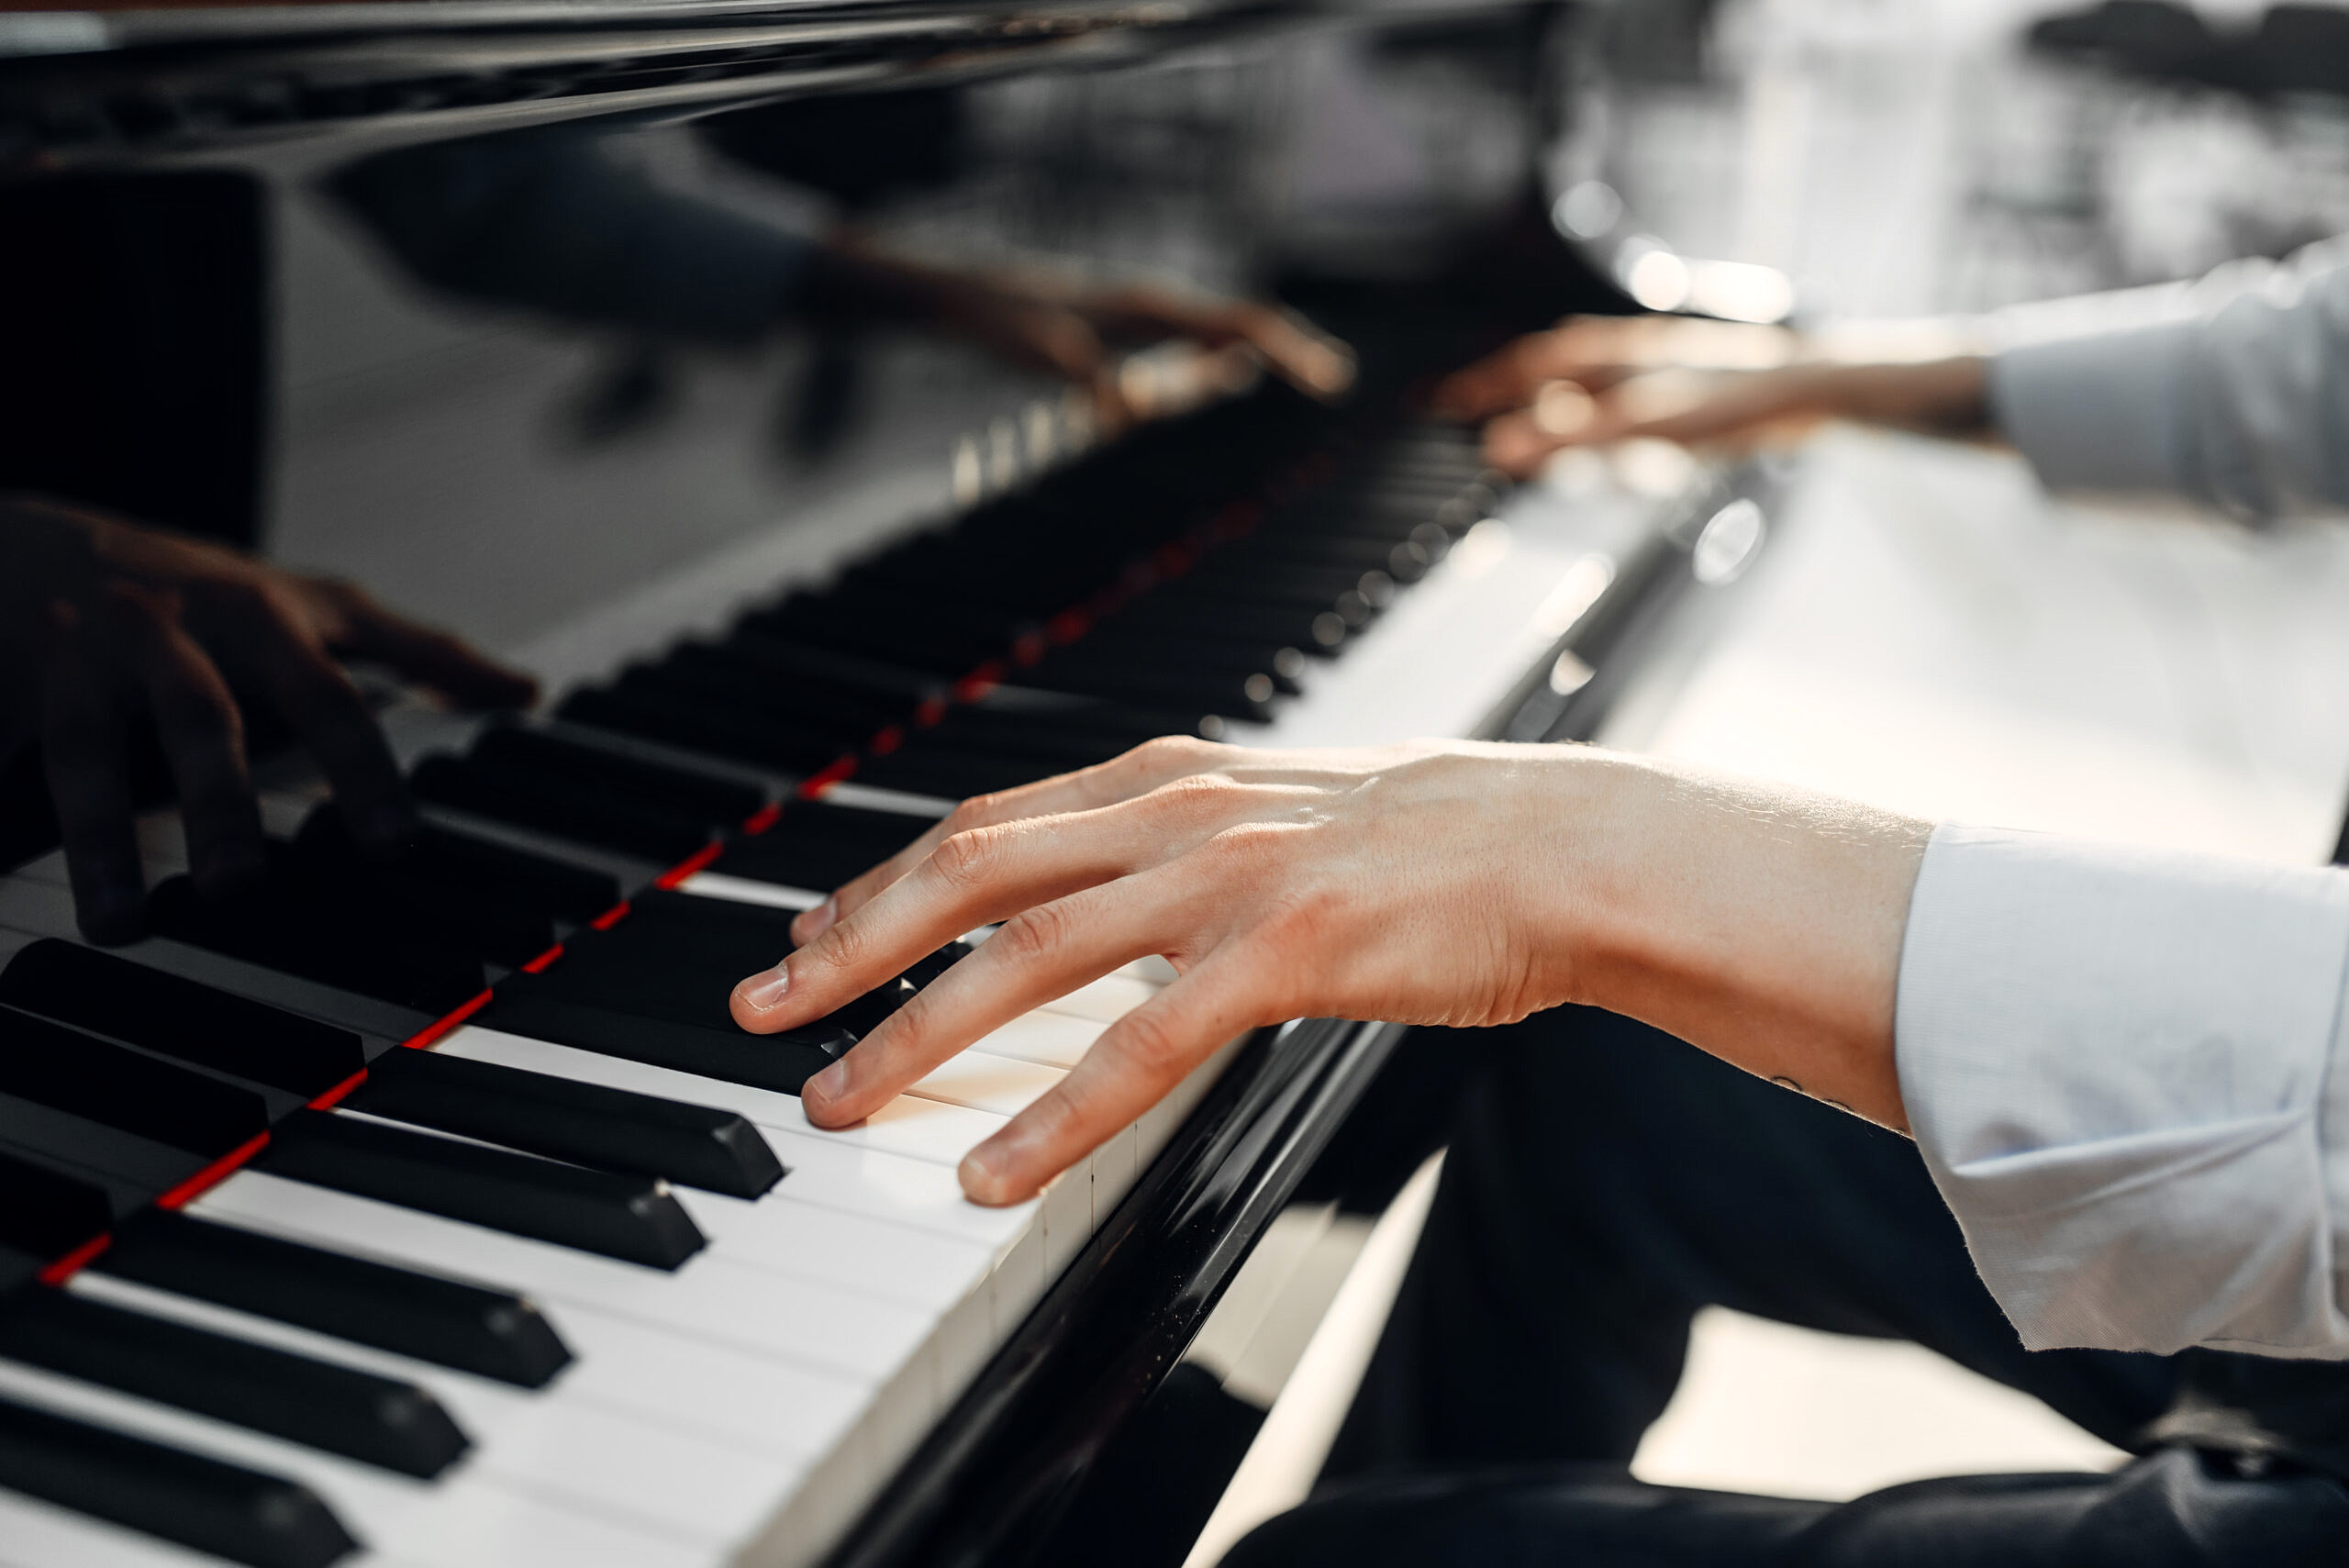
(1760, 924)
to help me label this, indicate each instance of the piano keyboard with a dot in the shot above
(437, 1214)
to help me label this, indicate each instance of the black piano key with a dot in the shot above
(818, 846)
(586, 1123)
(634, 1218)
(952, 773)
(887, 686)
(444, 857)
(1234, 695)
(934, 646)
(496, 923)
(937, 963)
(163, 1013)
(677, 957)
(1280, 625)
(130, 1168)
(47, 1214)
(1406, 560)
(778, 1061)
(747, 671)
(338, 1409)
(578, 810)
(702, 725)
(52, 1065)
(317, 934)
(244, 1516)
(490, 1333)
(705, 798)
(18, 1268)
(1203, 652)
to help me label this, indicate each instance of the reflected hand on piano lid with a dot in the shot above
(1460, 883)
(110, 625)
(1594, 380)
(1072, 329)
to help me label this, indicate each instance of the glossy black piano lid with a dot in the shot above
(306, 362)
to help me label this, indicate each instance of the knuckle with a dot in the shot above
(965, 860)
(1153, 1045)
(843, 947)
(1193, 794)
(1033, 933)
(1173, 751)
(976, 811)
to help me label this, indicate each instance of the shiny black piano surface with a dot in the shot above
(257, 288)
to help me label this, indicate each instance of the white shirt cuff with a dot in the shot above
(2106, 412)
(2117, 1062)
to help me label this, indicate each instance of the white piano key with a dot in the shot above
(926, 1129)
(743, 890)
(1115, 1165)
(1153, 969)
(965, 1338)
(537, 1438)
(984, 1081)
(1105, 1000)
(916, 1268)
(919, 1193)
(48, 868)
(463, 1519)
(848, 792)
(1053, 1039)
(712, 1296)
(834, 1162)
(756, 1400)
(1068, 1216)
(1019, 1281)
(43, 908)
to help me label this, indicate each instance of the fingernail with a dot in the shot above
(982, 1172)
(766, 990)
(817, 921)
(829, 1086)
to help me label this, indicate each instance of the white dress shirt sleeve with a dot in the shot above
(2245, 406)
(2126, 1070)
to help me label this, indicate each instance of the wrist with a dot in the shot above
(1761, 924)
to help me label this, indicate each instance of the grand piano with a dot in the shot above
(432, 1213)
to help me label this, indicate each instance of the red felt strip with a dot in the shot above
(212, 1175)
(698, 861)
(438, 1026)
(815, 785)
(66, 1267)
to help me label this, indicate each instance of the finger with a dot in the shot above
(270, 638)
(1309, 360)
(202, 734)
(1689, 408)
(89, 782)
(1299, 353)
(1045, 336)
(1595, 352)
(1134, 1064)
(1043, 953)
(1134, 773)
(972, 879)
(446, 663)
(1508, 377)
